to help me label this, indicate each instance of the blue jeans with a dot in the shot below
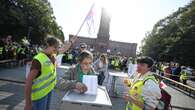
(42, 104)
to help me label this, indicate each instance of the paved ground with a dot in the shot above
(12, 94)
(180, 101)
(12, 98)
(16, 73)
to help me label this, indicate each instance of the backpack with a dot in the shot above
(165, 100)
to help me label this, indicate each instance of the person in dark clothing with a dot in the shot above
(176, 73)
(77, 52)
(124, 64)
(2, 49)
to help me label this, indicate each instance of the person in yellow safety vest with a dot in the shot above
(112, 62)
(184, 76)
(70, 56)
(116, 64)
(41, 79)
(1, 53)
(144, 93)
(1, 50)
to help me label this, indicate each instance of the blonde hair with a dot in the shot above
(104, 56)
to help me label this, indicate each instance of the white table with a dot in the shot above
(76, 101)
(114, 75)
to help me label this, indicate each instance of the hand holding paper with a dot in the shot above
(91, 82)
(81, 87)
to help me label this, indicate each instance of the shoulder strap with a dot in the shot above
(150, 77)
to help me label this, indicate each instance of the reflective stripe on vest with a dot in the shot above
(46, 81)
(112, 62)
(69, 56)
(136, 91)
(1, 50)
(36, 81)
(116, 63)
(44, 86)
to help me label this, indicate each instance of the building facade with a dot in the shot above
(103, 44)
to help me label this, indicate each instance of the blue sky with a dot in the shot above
(130, 19)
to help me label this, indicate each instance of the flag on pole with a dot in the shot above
(90, 21)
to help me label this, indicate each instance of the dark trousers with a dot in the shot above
(185, 82)
(101, 78)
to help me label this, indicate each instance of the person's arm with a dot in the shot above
(67, 45)
(34, 72)
(28, 88)
(69, 82)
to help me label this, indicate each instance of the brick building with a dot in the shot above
(103, 43)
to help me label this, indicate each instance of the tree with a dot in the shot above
(172, 38)
(31, 18)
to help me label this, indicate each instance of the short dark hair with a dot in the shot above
(83, 55)
(52, 41)
(147, 60)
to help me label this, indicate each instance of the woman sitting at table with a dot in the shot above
(73, 78)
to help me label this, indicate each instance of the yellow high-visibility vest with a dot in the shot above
(136, 91)
(1, 50)
(47, 80)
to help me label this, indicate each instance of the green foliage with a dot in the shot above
(173, 38)
(33, 18)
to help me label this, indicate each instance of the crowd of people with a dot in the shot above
(172, 70)
(20, 51)
(176, 72)
(144, 90)
(115, 62)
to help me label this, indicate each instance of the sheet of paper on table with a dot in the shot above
(91, 82)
